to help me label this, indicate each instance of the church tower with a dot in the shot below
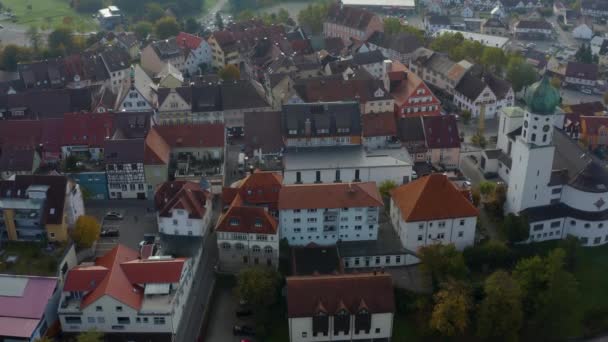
(532, 156)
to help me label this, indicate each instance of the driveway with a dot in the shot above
(223, 317)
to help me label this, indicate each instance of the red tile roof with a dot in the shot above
(405, 83)
(260, 187)
(119, 274)
(156, 150)
(379, 124)
(441, 131)
(244, 219)
(420, 200)
(306, 294)
(89, 129)
(181, 195)
(192, 135)
(333, 195)
(188, 41)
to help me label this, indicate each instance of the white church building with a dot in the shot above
(560, 187)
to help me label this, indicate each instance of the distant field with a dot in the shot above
(48, 14)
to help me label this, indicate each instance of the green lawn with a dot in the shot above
(48, 14)
(32, 259)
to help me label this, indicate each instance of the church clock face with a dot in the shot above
(526, 124)
(546, 128)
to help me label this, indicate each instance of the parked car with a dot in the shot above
(243, 330)
(586, 91)
(243, 312)
(111, 232)
(113, 215)
(148, 240)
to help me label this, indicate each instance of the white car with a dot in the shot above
(586, 91)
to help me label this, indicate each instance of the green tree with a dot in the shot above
(313, 16)
(12, 54)
(392, 25)
(479, 140)
(447, 42)
(86, 231)
(230, 73)
(386, 187)
(191, 26)
(520, 73)
(258, 286)
(143, 28)
(154, 11)
(167, 27)
(89, 6)
(476, 195)
(500, 315)
(34, 36)
(283, 16)
(245, 15)
(61, 40)
(90, 336)
(584, 54)
(572, 246)
(466, 116)
(453, 303)
(493, 59)
(490, 255)
(487, 188)
(442, 262)
(515, 228)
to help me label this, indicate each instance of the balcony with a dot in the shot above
(70, 305)
(330, 229)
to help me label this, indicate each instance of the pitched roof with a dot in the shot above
(21, 313)
(379, 124)
(184, 92)
(180, 195)
(156, 149)
(439, 20)
(534, 24)
(166, 48)
(471, 86)
(120, 274)
(313, 259)
(352, 17)
(333, 195)
(206, 98)
(582, 70)
(119, 151)
(328, 89)
(330, 116)
(411, 129)
(334, 292)
(441, 131)
(131, 125)
(260, 187)
(586, 108)
(370, 57)
(192, 135)
(90, 129)
(116, 58)
(245, 219)
(404, 83)
(241, 94)
(402, 42)
(499, 86)
(418, 200)
(188, 41)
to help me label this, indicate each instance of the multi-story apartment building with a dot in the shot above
(84, 134)
(39, 207)
(196, 51)
(327, 213)
(419, 221)
(350, 22)
(411, 95)
(137, 94)
(183, 208)
(160, 52)
(581, 75)
(174, 105)
(438, 70)
(345, 307)
(532, 29)
(495, 27)
(397, 46)
(321, 124)
(125, 296)
(124, 160)
(484, 95)
(248, 232)
(595, 8)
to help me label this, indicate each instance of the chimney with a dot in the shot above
(386, 68)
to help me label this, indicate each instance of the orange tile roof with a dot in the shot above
(119, 274)
(260, 187)
(184, 195)
(334, 195)
(379, 124)
(433, 197)
(156, 150)
(244, 219)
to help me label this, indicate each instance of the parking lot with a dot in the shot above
(138, 218)
(223, 318)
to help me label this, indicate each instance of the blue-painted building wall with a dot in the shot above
(94, 185)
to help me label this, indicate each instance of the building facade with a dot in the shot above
(183, 208)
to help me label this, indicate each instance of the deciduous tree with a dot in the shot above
(313, 16)
(442, 262)
(86, 231)
(230, 73)
(166, 27)
(385, 188)
(61, 40)
(515, 228)
(520, 73)
(258, 285)
(143, 28)
(500, 316)
(450, 314)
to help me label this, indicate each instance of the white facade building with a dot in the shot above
(126, 295)
(346, 307)
(327, 213)
(419, 221)
(183, 208)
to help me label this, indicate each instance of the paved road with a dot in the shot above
(223, 318)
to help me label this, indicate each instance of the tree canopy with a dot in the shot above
(442, 262)
(500, 315)
(520, 73)
(313, 16)
(167, 27)
(86, 231)
(258, 285)
(515, 228)
(450, 314)
(230, 73)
